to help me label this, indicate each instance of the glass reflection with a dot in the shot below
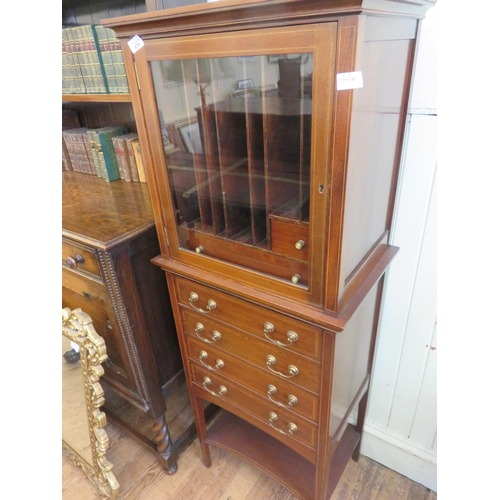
(75, 427)
(237, 138)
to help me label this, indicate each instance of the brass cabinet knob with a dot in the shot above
(218, 362)
(199, 249)
(73, 262)
(199, 328)
(292, 400)
(292, 370)
(211, 304)
(295, 278)
(222, 389)
(291, 335)
(299, 245)
(291, 426)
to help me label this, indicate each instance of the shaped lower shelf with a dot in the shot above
(288, 468)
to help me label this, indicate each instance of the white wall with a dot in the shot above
(401, 422)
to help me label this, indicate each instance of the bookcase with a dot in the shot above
(108, 240)
(274, 225)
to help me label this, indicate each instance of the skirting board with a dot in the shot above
(399, 454)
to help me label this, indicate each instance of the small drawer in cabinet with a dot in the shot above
(291, 429)
(80, 258)
(300, 372)
(274, 328)
(290, 238)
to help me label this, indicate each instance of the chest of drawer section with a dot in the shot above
(236, 358)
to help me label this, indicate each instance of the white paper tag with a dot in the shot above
(352, 80)
(135, 43)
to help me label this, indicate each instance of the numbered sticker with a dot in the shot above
(135, 43)
(352, 80)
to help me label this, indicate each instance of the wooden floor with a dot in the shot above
(229, 478)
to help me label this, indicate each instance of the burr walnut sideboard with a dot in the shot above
(109, 239)
(272, 134)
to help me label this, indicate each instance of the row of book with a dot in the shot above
(107, 152)
(92, 61)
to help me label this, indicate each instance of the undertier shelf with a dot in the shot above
(233, 434)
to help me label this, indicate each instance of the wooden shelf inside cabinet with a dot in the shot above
(96, 98)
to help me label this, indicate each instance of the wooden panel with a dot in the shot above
(307, 375)
(251, 318)
(89, 265)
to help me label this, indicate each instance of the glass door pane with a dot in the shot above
(237, 140)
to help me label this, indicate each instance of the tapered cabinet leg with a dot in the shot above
(359, 424)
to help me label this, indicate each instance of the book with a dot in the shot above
(70, 120)
(120, 148)
(131, 158)
(77, 85)
(106, 56)
(98, 56)
(92, 61)
(74, 140)
(136, 146)
(111, 171)
(118, 63)
(76, 35)
(94, 148)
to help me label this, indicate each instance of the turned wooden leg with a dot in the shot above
(359, 424)
(164, 445)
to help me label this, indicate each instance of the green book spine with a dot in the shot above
(105, 137)
(99, 65)
(107, 60)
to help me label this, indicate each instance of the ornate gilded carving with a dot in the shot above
(77, 326)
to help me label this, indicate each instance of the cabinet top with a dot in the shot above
(227, 15)
(101, 213)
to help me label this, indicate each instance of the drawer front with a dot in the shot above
(306, 376)
(276, 422)
(272, 327)
(278, 391)
(290, 238)
(80, 258)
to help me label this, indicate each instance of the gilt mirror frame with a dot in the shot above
(77, 326)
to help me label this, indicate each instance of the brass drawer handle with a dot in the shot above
(72, 262)
(292, 400)
(222, 389)
(215, 334)
(292, 370)
(291, 426)
(291, 335)
(295, 278)
(211, 305)
(299, 245)
(218, 363)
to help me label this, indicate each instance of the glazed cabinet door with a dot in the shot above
(239, 126)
